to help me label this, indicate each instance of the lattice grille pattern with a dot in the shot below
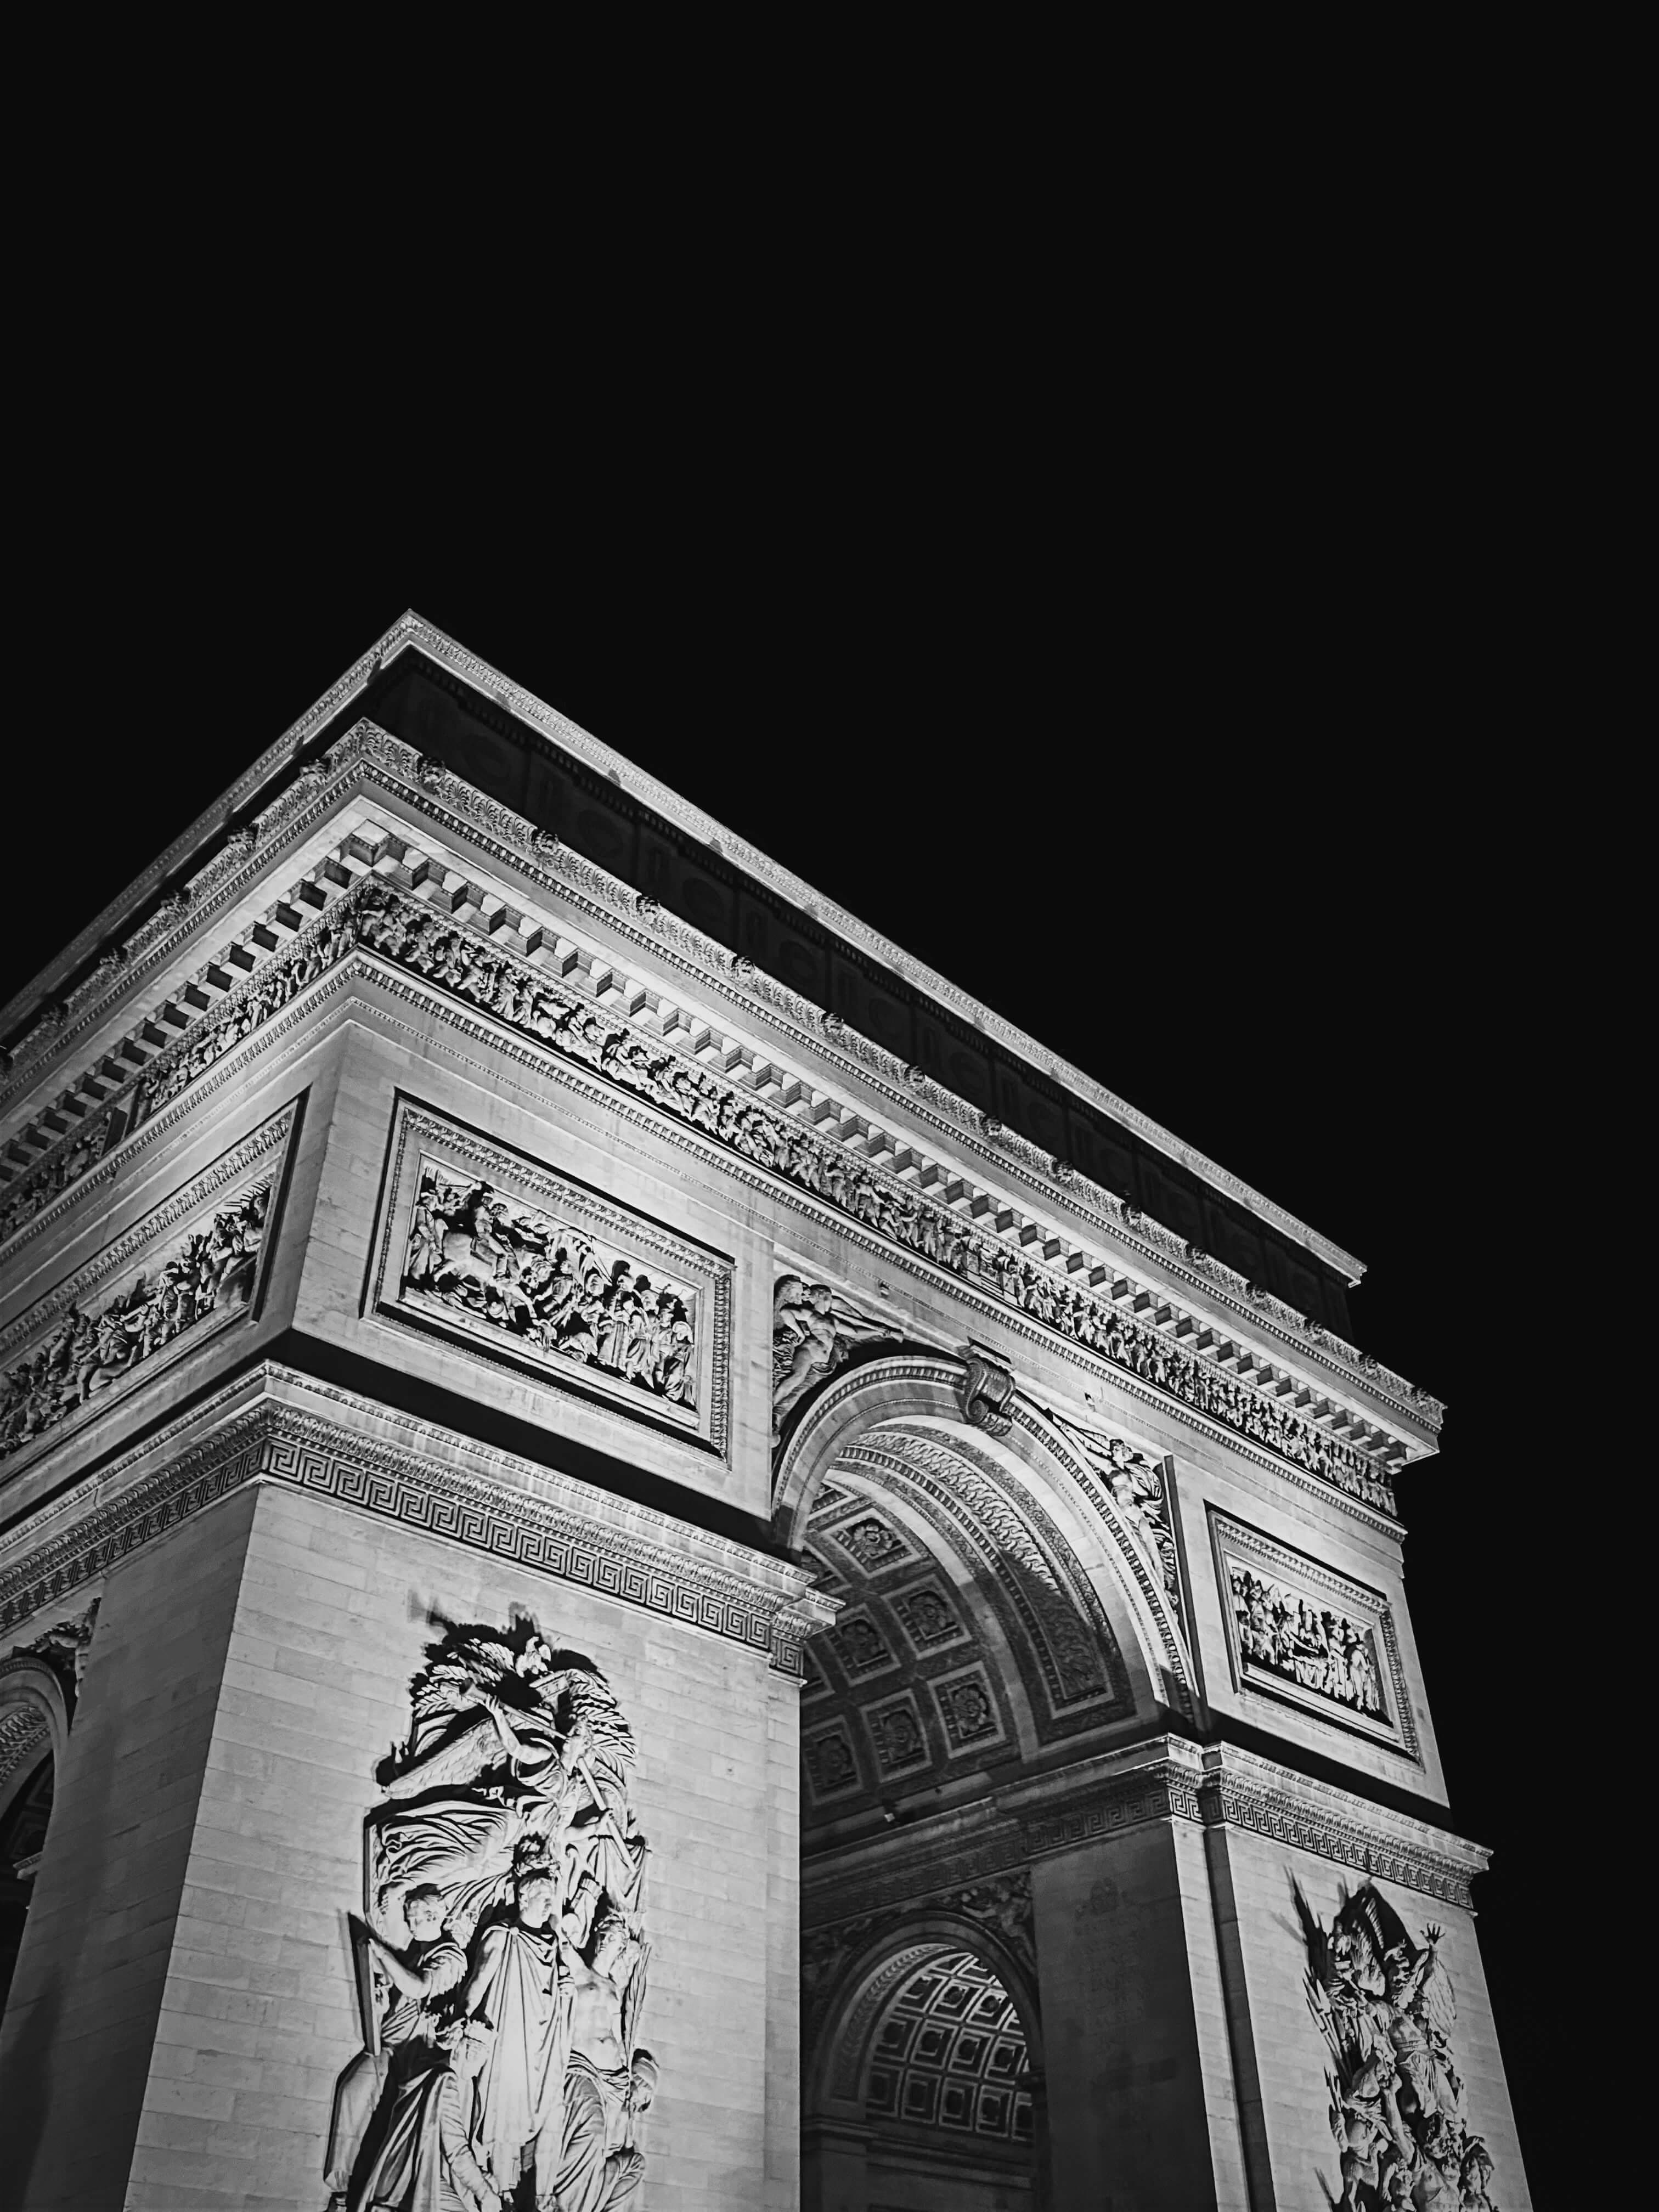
(951, 2053)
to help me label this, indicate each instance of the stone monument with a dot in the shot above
(648, 1560)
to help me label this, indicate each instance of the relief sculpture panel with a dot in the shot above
(1387, 2009)
(512, 1259)
(1301, 1631)
(501, 1956)
(190, 1266)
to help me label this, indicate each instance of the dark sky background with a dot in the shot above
(1193, 737)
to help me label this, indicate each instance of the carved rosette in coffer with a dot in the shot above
(1299, 1630)
(529, 1269)
(191, 1267)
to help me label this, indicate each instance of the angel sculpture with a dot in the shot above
(813, 1335)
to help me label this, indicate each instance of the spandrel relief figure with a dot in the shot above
(504, 1876)
(1386, 2008)
(815, 1330)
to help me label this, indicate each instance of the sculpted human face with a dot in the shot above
(425, 1915)
(536, 1900)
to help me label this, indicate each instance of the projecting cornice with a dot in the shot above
(410, 631)
(881, 1174)
(276, 1424)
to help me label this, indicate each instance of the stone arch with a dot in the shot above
(919, 1391)
(842, 2035)
(34, 1719)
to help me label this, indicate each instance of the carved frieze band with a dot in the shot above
(417, 1491)
(367, 752)
(529, 999)
(526, 998)
(202, 1255)
(531, 1269)
(156, 1065)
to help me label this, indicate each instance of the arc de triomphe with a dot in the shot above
(645, 1559)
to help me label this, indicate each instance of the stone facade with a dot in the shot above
(465, 1280)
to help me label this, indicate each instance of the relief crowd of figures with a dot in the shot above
(89, 1351)
(1315, 1647)
(522, 1270)
(418, 938)
(504, 1963)
(1386, 2009)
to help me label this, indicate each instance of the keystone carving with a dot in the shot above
(1386, 2009)
(502, 1965)
(988, 1392)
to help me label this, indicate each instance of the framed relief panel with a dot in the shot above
(528, 1269)
(1299, 1630)
(193, 1267)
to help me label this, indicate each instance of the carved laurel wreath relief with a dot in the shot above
(502, 1955)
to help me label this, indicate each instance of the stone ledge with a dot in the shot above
(277, 1426)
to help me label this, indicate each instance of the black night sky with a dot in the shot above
(1176, 742)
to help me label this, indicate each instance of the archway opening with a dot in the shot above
(948, 2094)
(23, 1824)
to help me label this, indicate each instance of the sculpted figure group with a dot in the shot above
(89, 1351)
(418, 938)
(1317, 1648)
(1386, 2009)
(815, 1332)
(503, 1960)
(521, 1269)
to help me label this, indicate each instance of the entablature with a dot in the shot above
(764, 1070)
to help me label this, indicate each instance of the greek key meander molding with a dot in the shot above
(284, 1444)
(366, 754)
(507, 1171)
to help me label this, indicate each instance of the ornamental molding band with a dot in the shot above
(205, 1254)
(367, 756)
(501, 1956)
(545, 1524)
(528, 1268)
(1385, 2005)
(1299, 1630)
(816, 1330)
(601, 1038)
(367, 752)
